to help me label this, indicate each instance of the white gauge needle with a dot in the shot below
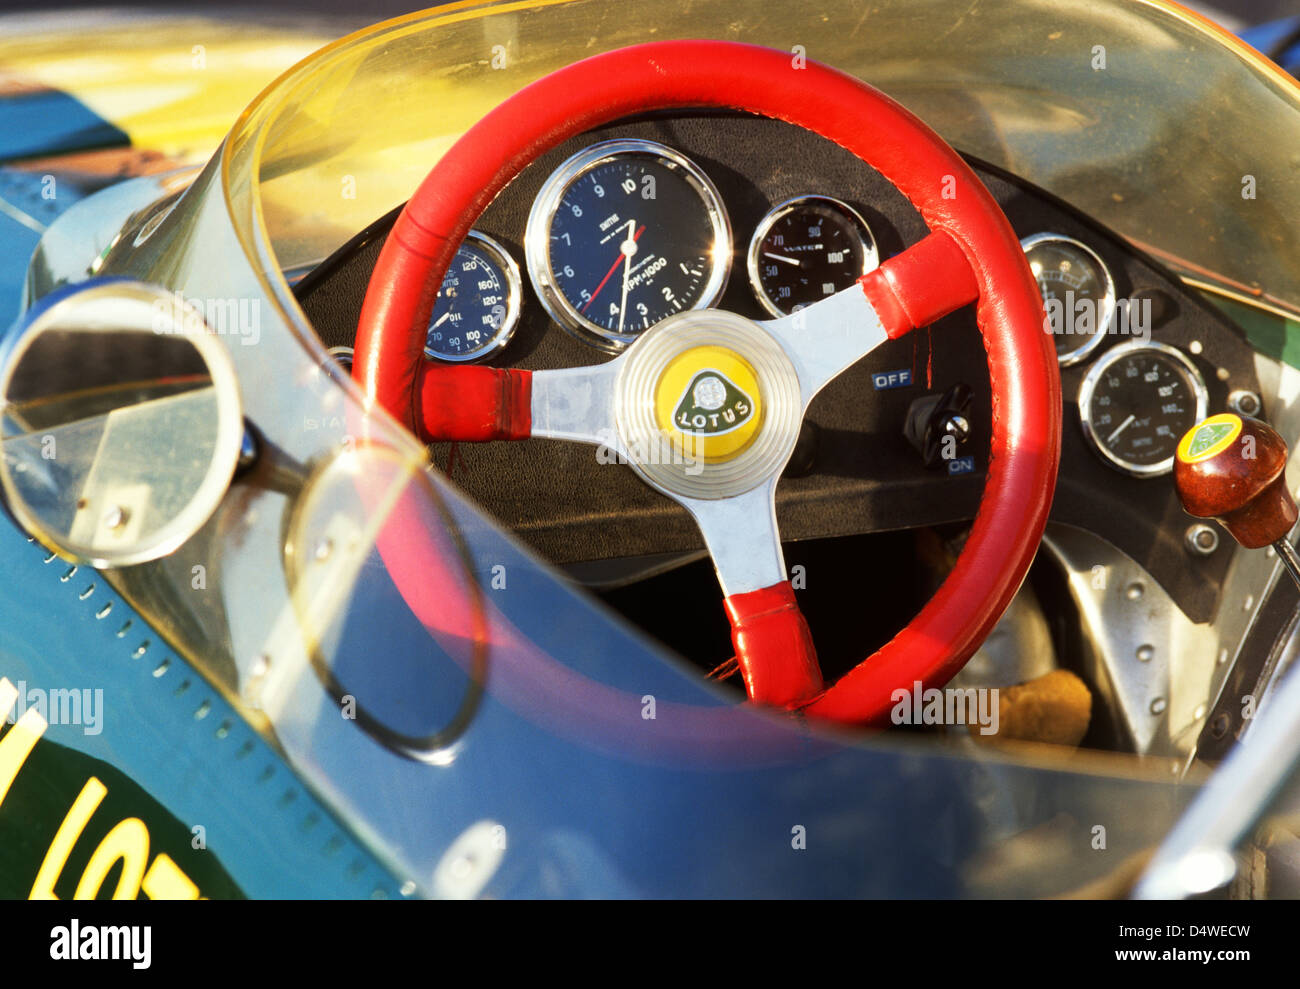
(628, 248)
(441, 319)
(781, 257)
(1119, 429)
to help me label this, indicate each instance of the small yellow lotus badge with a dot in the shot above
(707, 402)
(1209, 438)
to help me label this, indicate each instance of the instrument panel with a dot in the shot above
(778, 190)
(626, 232)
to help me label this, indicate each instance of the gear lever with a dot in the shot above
(1233, 469)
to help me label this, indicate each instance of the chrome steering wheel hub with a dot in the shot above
(707, 405)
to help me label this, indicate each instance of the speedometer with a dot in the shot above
(1137, 401)
(624, 234)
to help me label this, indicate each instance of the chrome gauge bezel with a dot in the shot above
(1089, 346)
(1089, 385)
(867, 240)
(499, 256)
(537, 235)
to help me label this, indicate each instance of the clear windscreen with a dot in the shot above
(1139, 114)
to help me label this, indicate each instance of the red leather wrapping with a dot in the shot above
(1026, 421)
(473, 404)
(774, 646)
(924, 283)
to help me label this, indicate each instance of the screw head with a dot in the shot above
(1201, 539)
(958, 426)
(1245, 402)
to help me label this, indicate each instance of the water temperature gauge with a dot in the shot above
(478, 304)
(806, 249)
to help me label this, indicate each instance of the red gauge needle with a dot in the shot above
(622, 257)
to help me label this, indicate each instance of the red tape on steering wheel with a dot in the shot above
(1026, 410)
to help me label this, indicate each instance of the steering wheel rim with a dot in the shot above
(970, 239)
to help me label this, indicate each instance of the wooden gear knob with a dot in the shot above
(1233, 468)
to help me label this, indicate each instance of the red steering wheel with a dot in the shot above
(969, 255)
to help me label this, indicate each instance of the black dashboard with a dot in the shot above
(854, 470)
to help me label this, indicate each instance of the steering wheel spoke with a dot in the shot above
(478, 404)
(473, 404)
(828, 337)
(742, 538)
(577, 403)
(926, 282)
(774, 646)
(913, 289)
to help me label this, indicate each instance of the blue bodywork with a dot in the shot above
(1265, 38)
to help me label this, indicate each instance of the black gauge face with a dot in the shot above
(478, 305)
(1138, 402)
(807, 249)
(1078, 293)
(618, 243)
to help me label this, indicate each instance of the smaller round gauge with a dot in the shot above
(1137, 401)
(1078, 293)
(478, 304)
(806, 249)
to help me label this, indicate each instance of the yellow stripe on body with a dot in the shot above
(173, 85)
(18, 741)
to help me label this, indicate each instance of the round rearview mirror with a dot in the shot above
(120, 422)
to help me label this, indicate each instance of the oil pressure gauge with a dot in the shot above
(478, 304)
(807, 249)
(1137, 401)
(1078, 293)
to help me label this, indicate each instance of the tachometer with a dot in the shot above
(624, 234)
(478, 304)
(1137, 401)
(806, 249)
